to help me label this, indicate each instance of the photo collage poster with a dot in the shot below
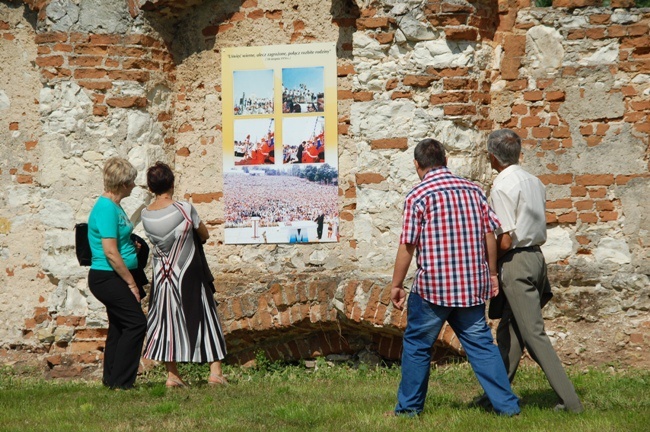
(280, 150)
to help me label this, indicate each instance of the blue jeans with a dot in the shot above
(423, 326)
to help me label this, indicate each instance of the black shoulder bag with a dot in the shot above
(81, 244)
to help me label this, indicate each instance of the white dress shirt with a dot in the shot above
(519, 200)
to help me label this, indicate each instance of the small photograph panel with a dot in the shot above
(253, 92)
(254, 142)
(303, 140)
(303, 90)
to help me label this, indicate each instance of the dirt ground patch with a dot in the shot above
(617, 341)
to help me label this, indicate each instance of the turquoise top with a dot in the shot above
(108, 220)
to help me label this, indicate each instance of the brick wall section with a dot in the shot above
(288, 321)
(97, 61)
(465, 92)
(299, 318)
(536, 117)
(25, 166)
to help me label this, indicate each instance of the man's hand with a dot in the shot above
(402, 261)
(397, 296)
(494, 285)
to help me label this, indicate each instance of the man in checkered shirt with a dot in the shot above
(448, 221)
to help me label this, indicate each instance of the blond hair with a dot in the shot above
(118, 172)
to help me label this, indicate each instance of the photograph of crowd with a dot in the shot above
(253, 92)
(254, 142)
(303, 90)
(304, 140)
(281, 205)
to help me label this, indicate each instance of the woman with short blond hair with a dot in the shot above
(111, 278)
(118, 172)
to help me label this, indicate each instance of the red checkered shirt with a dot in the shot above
(446, 218)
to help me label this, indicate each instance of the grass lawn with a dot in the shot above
(339, 398)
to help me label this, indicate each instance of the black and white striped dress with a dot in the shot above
(182, 324)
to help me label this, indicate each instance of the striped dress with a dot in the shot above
(182, 324)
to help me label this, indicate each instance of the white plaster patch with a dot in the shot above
(75, 299)
(62, 265)
(573, 22)
(62, 14)
(455, 137)
(56, 240)
(442, 53)
(52, 158)
(373, 75)
(607, 54)
(381, 119)
(498, 86)
(559, 244)
(139, 126)
(641, 79)
(56, 214)
(318, 257)
(21, 196)
(415, 30)
(544, 48)
(465, 167)
(612, 251)
(5, 102)
(64, 107)
(366, 47)
(622, 16)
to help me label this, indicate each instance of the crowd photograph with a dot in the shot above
(253, 92)
(303, 90)
(282, 199)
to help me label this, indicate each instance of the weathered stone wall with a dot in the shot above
(576, 85)
(23, 281)
(85, 80)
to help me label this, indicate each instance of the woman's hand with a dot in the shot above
(135, 291)
(115, 260)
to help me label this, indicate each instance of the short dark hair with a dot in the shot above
(505, 145)
(430, 153)
(160, 178)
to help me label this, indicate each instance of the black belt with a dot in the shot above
(528, 249)
(520, 249)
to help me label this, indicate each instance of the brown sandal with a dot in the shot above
(217, 380)
(175, 383)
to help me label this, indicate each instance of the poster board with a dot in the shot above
(280, 150)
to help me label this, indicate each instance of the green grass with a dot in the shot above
(292, 398)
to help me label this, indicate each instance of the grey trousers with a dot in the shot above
(525, 284)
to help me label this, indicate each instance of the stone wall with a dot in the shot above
(85, 80)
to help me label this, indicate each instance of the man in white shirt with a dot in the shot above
(519, 200)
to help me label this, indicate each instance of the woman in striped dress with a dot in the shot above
(182, 324)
